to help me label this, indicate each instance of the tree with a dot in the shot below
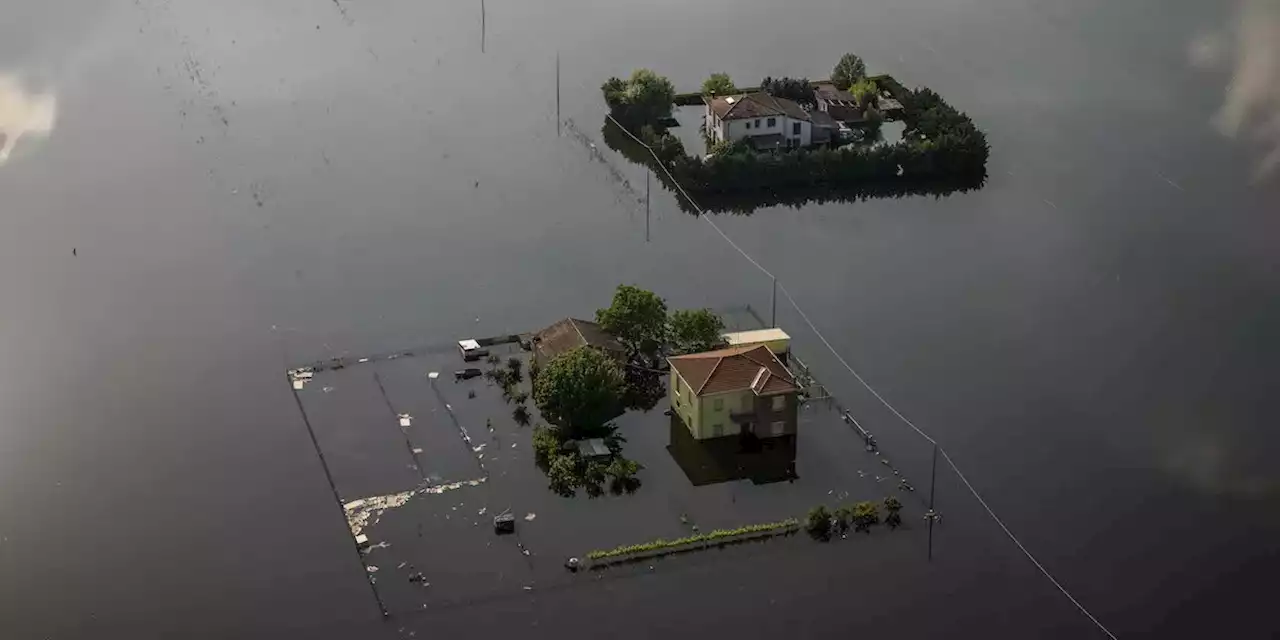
(564, 476)
(637, 318)
(843, 516)
(849, 70)
(718, 83)
(865, 515)
(643, 99)
(864, 92)
(579, 390)
(695, 330)
(818, 523)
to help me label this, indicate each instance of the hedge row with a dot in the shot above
(718, 534)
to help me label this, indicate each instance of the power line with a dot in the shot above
(703, 214)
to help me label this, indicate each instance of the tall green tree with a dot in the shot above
(637, 318)
(579, 390)
(718, 83)
(695, 330)
(644, 98)
(849, 70)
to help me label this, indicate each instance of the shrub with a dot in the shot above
(865, 515)
(521, 415)
(818, 523)
(843, 517)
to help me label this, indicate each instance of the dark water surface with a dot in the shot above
(248, 184)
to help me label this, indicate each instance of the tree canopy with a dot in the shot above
(695, 330)
(579, 390)
(799, 90)
(864, 91)
(718, 83)
(849, 70)
(644, 98)
(637, 318)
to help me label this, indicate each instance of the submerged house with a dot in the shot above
(744, 390)
(765, 121)
(570, 333)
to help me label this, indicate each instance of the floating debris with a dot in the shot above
(479, 448)
(417, 450)
(301, 377)
(406, 420)
(327, 389)
(401, 565)
(531, 515)
(371, 569)
(482, 510)
(362, 360)
(360, 512)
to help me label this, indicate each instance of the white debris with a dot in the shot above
(362, 360)
(433, 375)
(301, 377)
(401, 565)
(530, 516)
(482, 510)
(406, 420)
(478, 448)
(327, 389)
(417, 450)
(371, 569)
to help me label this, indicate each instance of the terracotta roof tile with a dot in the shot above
(734, 369)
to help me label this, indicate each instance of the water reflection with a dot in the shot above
(1250, 49)
(746, 203)
(22, 114)
(730, 458)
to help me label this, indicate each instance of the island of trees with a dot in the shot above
(941, 150)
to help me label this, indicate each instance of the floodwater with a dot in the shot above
(197, 194)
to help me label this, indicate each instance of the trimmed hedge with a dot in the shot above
(718, 534)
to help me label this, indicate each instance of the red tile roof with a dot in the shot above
(734, 369)
(755, 105)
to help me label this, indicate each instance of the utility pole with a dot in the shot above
(773, 315)
(932, 516)
(483, 29)
(557, 94)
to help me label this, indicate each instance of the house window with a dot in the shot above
(748, 124)
(778, 428)
(795, 128)
(779, 403)
(718, 404)
(757, 123)
(773, 122)
(717, 430)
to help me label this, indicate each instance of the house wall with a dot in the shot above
(737, 129)
(684, 403)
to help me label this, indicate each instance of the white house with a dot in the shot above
(767, 122)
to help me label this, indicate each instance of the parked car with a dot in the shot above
(466, 374)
